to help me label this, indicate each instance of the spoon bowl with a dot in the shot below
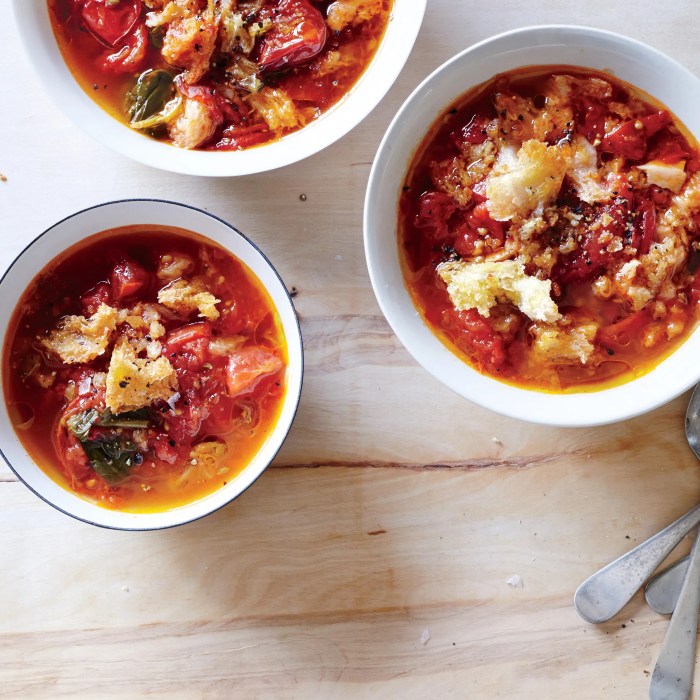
(602, 595)
(692, 422)
(663, 589)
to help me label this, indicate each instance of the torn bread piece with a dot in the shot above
(526, 181)
(185, 297)
(78, 339)
(481, 286)
(134, 382)
(564, 345)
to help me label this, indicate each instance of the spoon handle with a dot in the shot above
(606, 592)
(663, 589)
(673, 673)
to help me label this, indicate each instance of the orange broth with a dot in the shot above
(35, 382)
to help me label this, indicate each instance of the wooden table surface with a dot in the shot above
(372, 559)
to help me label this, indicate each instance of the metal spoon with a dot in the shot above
(606, 592)
(673, 674)
(663, 589)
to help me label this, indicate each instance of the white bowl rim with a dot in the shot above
(296, 399)
(556, 416)
(367, 92)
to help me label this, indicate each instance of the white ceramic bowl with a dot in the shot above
(159, 213)
(630, 60)
(34, 26)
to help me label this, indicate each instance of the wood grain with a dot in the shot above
(395, 512)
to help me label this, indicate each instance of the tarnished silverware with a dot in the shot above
(672, 678)
(663, 589)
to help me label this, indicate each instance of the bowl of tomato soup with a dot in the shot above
(532, 225)
(218, 87)
(152, 367)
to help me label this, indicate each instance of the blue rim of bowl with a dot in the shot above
(395, 124)
(301, 347)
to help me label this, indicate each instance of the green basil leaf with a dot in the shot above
(112, 458)
(80, 423)
(156, 36)
(129, 419)
(152, 91)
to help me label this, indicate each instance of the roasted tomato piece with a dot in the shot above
(299, 34)
(668, 148)
(239, 318)
(130, 54)
(586, 263)
(247, 367)
(630, 138)
(218, 107)
(100, 294)
(319, 91)
(474, 334)
(620, 333)
(188, 347)
(593, 255)
(165, 448)
(479, 192)
(478, 226)
(186, 334)
(74, 461)
(434, 211)
(593, 121)
(236, 138)
(473, 132)
(109, 21)
(465, 242)
(481, 220)
(644, 225)
(127, 279)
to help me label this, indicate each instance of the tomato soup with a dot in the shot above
(548, 229)
(218, 74)
(144, 368)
